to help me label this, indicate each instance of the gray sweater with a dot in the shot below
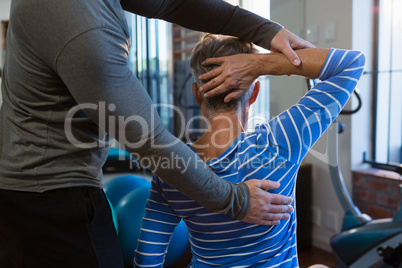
(67, 89)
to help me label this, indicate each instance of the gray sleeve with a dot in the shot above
(94, 68)
(212, 16)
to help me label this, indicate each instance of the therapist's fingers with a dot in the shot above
(271, 185)
(291, 55)
(278, 208)
(272, 218)
(286, 42)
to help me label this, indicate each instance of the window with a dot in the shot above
(149, 59)
(387, 82)
(260, 110)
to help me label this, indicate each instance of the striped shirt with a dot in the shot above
(273, 151)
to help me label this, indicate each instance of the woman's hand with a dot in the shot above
(236, 73)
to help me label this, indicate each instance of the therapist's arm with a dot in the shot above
(94, 68)
(220, 17)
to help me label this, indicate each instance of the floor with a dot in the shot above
(310, 256)
(307, 257)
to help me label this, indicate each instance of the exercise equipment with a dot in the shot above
(178, 244)
(120, 160)
(362, 242)
(130, 211)
(114, 216)
(116, 188)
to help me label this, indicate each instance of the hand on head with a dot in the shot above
(238, 72)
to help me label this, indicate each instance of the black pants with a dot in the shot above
(69, 227)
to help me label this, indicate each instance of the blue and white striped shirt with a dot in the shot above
(273, 151)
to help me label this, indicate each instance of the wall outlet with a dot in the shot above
(331, 220)
(316, 216)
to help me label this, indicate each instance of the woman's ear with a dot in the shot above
(197, 94)
(254, 95)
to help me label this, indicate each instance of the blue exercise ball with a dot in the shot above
(178, 244)
(130, 211)
(116, 188)
(114, 216)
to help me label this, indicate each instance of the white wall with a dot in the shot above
(5, 9)
(319, 13)
(285, 91)
(353, 21)
(353, 31)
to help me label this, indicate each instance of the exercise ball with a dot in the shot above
(178, 244)
(130, 211)
(114, 216)
(116, 188)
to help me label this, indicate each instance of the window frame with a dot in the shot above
(375, 115)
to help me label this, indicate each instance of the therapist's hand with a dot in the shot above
(286, 43)
(266, 208)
